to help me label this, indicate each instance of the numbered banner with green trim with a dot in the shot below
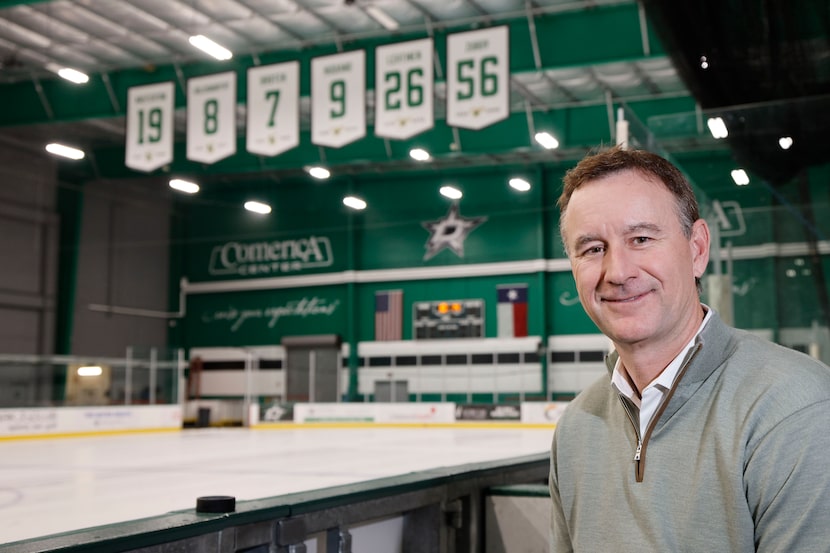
(211, 117)
(403, 89)
(338, 92)
(273, 121)
(149, 126)
(478, 85)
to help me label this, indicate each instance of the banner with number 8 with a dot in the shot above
(149, 126)
(478, 85)
(403, 89)
(338, 98)
(211, 117)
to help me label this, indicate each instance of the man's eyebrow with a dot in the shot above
(640, 227)
(586, 239)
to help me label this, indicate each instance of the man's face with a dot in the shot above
(634, 268)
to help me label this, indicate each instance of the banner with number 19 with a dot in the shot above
(149, 126)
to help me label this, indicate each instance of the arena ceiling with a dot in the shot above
(574, 64)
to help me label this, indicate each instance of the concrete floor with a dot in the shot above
(49, 486)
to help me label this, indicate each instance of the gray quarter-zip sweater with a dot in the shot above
(736, 459)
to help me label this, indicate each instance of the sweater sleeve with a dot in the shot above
(560, 539)
(787, 483)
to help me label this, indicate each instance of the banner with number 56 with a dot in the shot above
(478, 86)
(211, 117)
(403, 89)
(338, 98)
(149, 126)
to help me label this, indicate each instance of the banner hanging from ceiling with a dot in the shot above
(338, 105)
(273, 120)
(211, 117)
(478, 83)
(149, 126)
(403, 89)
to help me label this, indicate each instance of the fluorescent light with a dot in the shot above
(419, 154)
(717, 127)
(451, 192)
(546, 140)
(354, 203)
(319, 172)
(257, 207)
(386, 20)
(90, 370)
(68, 73)
(73, 75)
(206, 45)
(65, 151)
(785, 142)
(740, 177)
(519, 184)
(184, 186)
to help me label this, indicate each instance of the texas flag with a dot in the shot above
(512, 310)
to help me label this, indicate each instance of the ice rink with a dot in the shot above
(54, 485)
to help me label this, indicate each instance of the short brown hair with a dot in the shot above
(616, 159)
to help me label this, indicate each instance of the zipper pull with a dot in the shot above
(639, 449)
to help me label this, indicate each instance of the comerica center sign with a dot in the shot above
(270, 257)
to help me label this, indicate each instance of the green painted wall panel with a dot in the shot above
(264, 317)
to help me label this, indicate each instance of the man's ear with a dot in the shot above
(699, 245)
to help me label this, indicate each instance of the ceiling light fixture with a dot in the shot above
(72, 75)
(546, 140)
(786, 142)
(354, 202)
(90, 370)
(704, 62)
(257, 207)
(206, 45)
(451, 192)
(184, 186)
(386, 20)
(717, 127)
(519, 184)
(740, 177)
(419, 154)
(319, 172)
(65, 151)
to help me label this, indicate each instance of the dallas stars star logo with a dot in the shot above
(449, 232)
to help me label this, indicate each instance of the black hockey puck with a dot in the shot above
(215, 504)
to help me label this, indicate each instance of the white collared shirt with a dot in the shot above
(654, 392)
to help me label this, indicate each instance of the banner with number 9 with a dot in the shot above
(338, 98)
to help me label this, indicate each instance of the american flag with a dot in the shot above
(388, 315)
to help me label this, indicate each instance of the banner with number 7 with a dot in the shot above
(273, 121)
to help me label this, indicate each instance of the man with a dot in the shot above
(702, 438)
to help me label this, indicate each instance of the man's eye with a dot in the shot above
(593, 250)
(641, 239)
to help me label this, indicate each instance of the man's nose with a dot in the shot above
(618, 265)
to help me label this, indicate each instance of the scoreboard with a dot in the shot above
(448, 319)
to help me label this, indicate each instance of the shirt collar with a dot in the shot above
(666, 378)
